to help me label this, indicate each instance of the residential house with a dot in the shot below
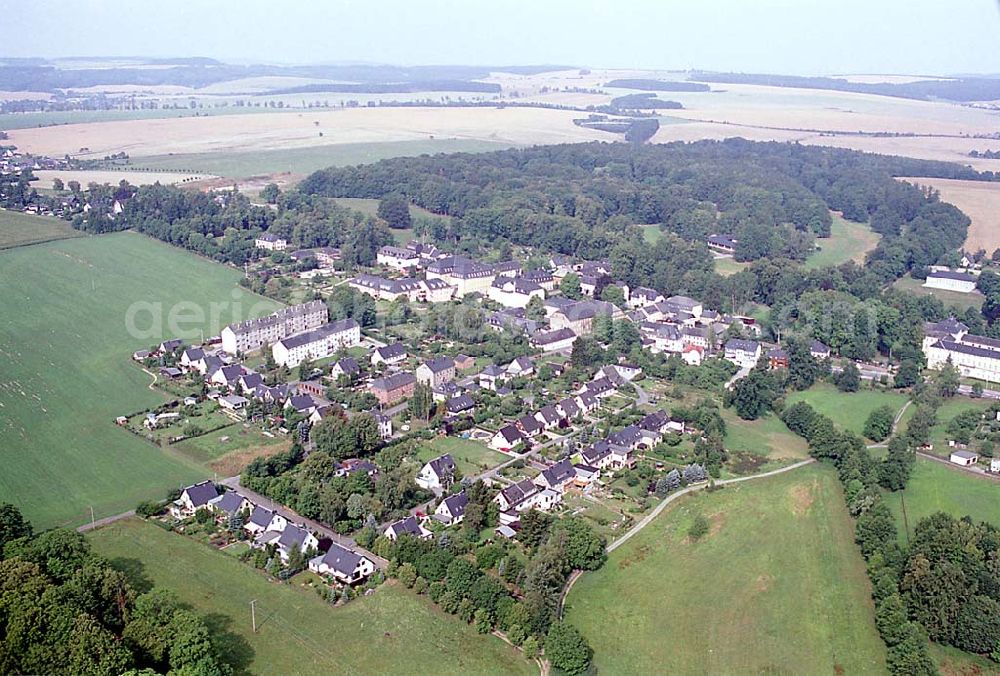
(296, 537)
(227, 376)
(390, 354)
(393, 388)
(263, 519)
(492, 376)
(553, 341)
(451, 511)
(384, 425)
(231, 503)
(529, 426)
(407, 526)
(233, 402)
(586, 475)
(397, 258)
(343, 565)
(549, 417)
(693, 355)
(270, 242)
(568, 408)
(437, 474)
(642, 296)
(557, 476)
(434, 372)
(347, 366)
(777, 358)
(819, 351)
(743, 353)
(506, 438)
(460, 404)
(685, 304)
(303, 404)
(467, 276)
(520, 367)
(515, 494)
(194, 497)
(464, 362)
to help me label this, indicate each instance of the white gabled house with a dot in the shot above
(452, 509)
(407, 526)
(344, 565)
(506, 438)
(437, 474)
(194, 497)
(263, 519)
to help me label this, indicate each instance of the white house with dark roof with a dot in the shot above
(743, 353)
(452, 509)
(397, 258)
(390, 354)
(270, 242)
(343, 565)
(290, 538)
(520, 367)
(347, 366)
(558, 476)
(230, 503)
(819, 351)
(263, 519)
(437, 474)
(514, 291)
(194, 497)
(554, 341)
(407, 526)
(506, 438)
(549, 416)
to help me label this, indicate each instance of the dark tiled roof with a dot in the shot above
(456, 504)
(201, 493)
(341, 559)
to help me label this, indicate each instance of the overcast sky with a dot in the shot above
(776, 36)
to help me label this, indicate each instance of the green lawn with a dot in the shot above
(230, 444)
(243, 164)
(393, 631)
(66, 371)
(18, 229)
(848, 410)
(954, 662)
(470, 456)
(948, 410)
(729, 266)
(651, 233)
(767, 437)
(848, 241)
(962, 301)
(935, 487)
(776, 587)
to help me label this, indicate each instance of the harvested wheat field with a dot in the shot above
(979, 200)
(264, 131)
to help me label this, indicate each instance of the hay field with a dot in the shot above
(979, 200)
(113, 176)
(267, 131)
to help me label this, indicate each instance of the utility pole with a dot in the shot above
(253, 615)
(93, 523)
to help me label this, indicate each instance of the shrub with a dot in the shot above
(699, 528)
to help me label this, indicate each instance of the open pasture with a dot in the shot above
(114, 176)
(19, 229)
(777, 586)
(848, 241)
(391, 632)
(67, 371)
(848, 410)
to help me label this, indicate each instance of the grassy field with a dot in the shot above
(848, 410)
(768, 437)
(470, 456)
(651, 233)
(948, 410)
(114, 176)
(393, 631)
(307, 160)
(934, 487)
(18, 229)
(228, 458)
(729, 266)
(66, 347)
(954, 662)
(848, 241)
(776, 587)
(962, 301)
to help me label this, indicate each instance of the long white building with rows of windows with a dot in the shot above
(254, 334)
(316, 344)
(974, 356)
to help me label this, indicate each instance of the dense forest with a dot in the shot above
(582, 199)
(65, 610)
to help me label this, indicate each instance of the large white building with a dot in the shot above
(962, 282)
(974, 356)
(255, 333)
(271, 242)
(316, 344)
(414, 290)
(515, 291)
